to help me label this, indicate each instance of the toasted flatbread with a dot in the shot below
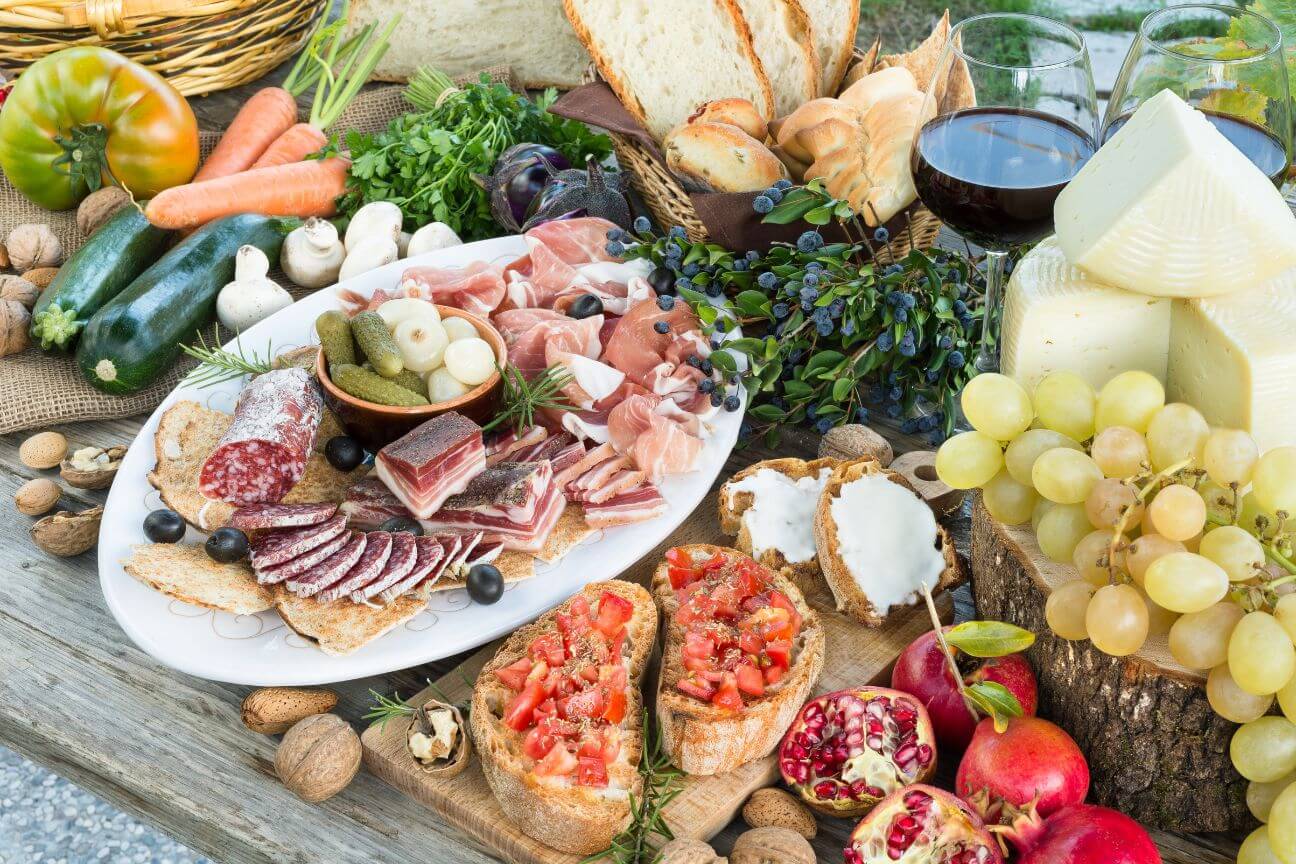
(569, 532)
(954, 90)
(343, 627)
(185, 572)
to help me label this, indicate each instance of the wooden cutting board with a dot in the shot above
(856, 655)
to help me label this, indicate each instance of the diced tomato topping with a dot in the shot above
(750, 680)
(613, 613)
(548, 647)
(779, 653)
(556, 763)
(696, 687)
(585, 704)
(541, 738)
(547, 708)
(605, 745)
(579, 606)
(591, 771)
(715, 562)
(750, 643)
(779, 600)
(774, 674)
(522, 708)
(678, 557)
(727, 695)
(615, 709)
(515, 674)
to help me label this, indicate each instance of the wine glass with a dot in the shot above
(992, 168)
(1226, 61)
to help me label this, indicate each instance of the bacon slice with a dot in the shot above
(637, 505)
(432, 462)
(594, 457)
(501, 497)
(504, 446)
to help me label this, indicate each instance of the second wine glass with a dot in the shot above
(993, 171)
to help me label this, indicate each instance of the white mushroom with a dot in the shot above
(252, 296)
(313, 254)
(376, 219)
(431, 237)
(368, 254)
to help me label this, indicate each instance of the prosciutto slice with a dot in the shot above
(513, 323)
(575, 241)
(529, 352)
(432, 462)
(665, 448)
(637, 349)
(478, 288)
(636, 505)
(541, 277)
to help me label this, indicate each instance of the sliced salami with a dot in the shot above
(282, 546)
(451, 545)
(259, 517)
(404, 554)
(263, 453)
(364, 569)
(430, 554)
(332, 568)
(302, 563)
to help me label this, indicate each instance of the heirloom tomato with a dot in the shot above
(86, 117)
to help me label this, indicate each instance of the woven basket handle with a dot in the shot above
(107, 17)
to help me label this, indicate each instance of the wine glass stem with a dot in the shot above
(987, 359)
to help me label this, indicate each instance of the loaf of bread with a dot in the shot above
(640, 49)
(459, 37)
(717, 157)
(782, 38)
(832, 24)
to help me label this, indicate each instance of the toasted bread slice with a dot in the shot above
(735, 502)
(576, 819)
(702, 738)
(782, 38)
(185, 572)
(833, 24)
(343, 627)
(848, 587)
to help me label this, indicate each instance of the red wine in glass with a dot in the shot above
(992, 174)
(1262, 147)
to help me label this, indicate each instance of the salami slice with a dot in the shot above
(378, 547)
(302, 563)
(281, 546)
(332, 568)
(430, 554)
(259, 517)
(403, 556)
(263, 453)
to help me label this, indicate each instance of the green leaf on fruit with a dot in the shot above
(996, 702)
(989, 638)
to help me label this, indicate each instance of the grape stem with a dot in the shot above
(1123, 523)
(949, 654)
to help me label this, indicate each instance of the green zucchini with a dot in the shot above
(120, 250)
(135, 338)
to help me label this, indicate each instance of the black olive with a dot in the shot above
(164, 526)
(344, 452)
(585, 306)
(485, 584)
(227, 545)
(397, 524)
(662, 280)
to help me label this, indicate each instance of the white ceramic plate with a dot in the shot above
(260, 650)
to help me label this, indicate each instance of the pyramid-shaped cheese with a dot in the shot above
(1169, 207)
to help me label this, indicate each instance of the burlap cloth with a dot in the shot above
(39, 389)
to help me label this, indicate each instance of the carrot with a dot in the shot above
(294, 145)
(264, 117)
(297, 189)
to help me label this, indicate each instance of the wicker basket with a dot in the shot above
(198, 46)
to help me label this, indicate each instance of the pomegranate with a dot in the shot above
(1081, 834)
(922, 825)
(923, 671)
(1032, 764)
(848, 750)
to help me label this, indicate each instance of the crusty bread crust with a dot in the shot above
(718, 157)
(732, 506)
(703, 739)
(571, 819)
(850, 598)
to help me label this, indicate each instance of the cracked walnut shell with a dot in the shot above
(66, 534)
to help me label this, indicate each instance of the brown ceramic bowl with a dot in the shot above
(376, 426)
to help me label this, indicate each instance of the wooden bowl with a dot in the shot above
(376, 426)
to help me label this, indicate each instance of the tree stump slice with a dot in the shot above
(1156, 750)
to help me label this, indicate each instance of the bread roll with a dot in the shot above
(881, 85)
(718, 157)
(735, 112)
(810, 114)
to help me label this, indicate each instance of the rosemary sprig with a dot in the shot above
(638, 842)
(219, 365)
(522, 398)
(386, 708)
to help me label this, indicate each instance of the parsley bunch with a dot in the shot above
(433, 163)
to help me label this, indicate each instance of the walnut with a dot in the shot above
(15, 321)
(19, 289)
(41, 277)
(99, 206)
(43, 450)
(95, 468)
(772, 846)
(318, 757)
(33, 245)
(37, 497)
(67, 534)
(274, 710)
(689, 852)
(774, 808)
(438, 740)
(854, 441)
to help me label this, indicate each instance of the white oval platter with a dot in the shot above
(260, 650)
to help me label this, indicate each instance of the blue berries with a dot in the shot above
(773, 193)
(811, 279)
(960, 308)
(945, 342)
(902, 315)
(678, 233)
(809, 295)
(714, 289)
(666, 302)
(661, 327)
(881, 235)
(642, 225)
(673, 250)
(732, 403)
(823, 426)
(885, 341)
(616, 235)
(763, 204)
(783, 184)
(861, 414)
(615, 248)
(908, 347)
(707, 385)
(955, 360)
(691, 270)
(810, 241)
(767, 280)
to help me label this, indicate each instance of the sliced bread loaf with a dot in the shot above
(664, 58)
(781, 35)
(833, 24)
(460, 37)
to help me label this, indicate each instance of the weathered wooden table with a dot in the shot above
(79, 698)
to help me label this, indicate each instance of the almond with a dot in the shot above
(274, 710)
(43, 450)
(772, 846)
(854, 441)
(41, 277)
(774, 808)
(66, 533)
(37, 497)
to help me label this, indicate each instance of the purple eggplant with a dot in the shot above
(520, 174)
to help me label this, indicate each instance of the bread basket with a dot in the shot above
(198, 45)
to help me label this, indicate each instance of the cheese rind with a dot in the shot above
(1234, 359)
(1169, 207)
(1055, 317)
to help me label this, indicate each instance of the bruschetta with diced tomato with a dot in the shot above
(557, 717)
(741, 652)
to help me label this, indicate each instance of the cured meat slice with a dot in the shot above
(545, 449)
(263, 453)
(600, 474)
(665, 448)
(400, 560)
(589, 381)
(636, 347)
(532, 538)
(513, 323)
(450, 547)
(594, 457)
(504, 446)
(529, 352)
(281, 546)
(541, 277)
(432, 462)
(613, 486)
(630, 419)
(567, 457)
(501, 497)
(428, 555)
(477, 288)
(258, 517)
(333, 567)
(302, 563)
(575, 241)
(636, 505)
(485, 553)
(370, 503)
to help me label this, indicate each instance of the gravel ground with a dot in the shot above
(46, 819)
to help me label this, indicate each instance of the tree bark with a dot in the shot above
(1156, 750)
